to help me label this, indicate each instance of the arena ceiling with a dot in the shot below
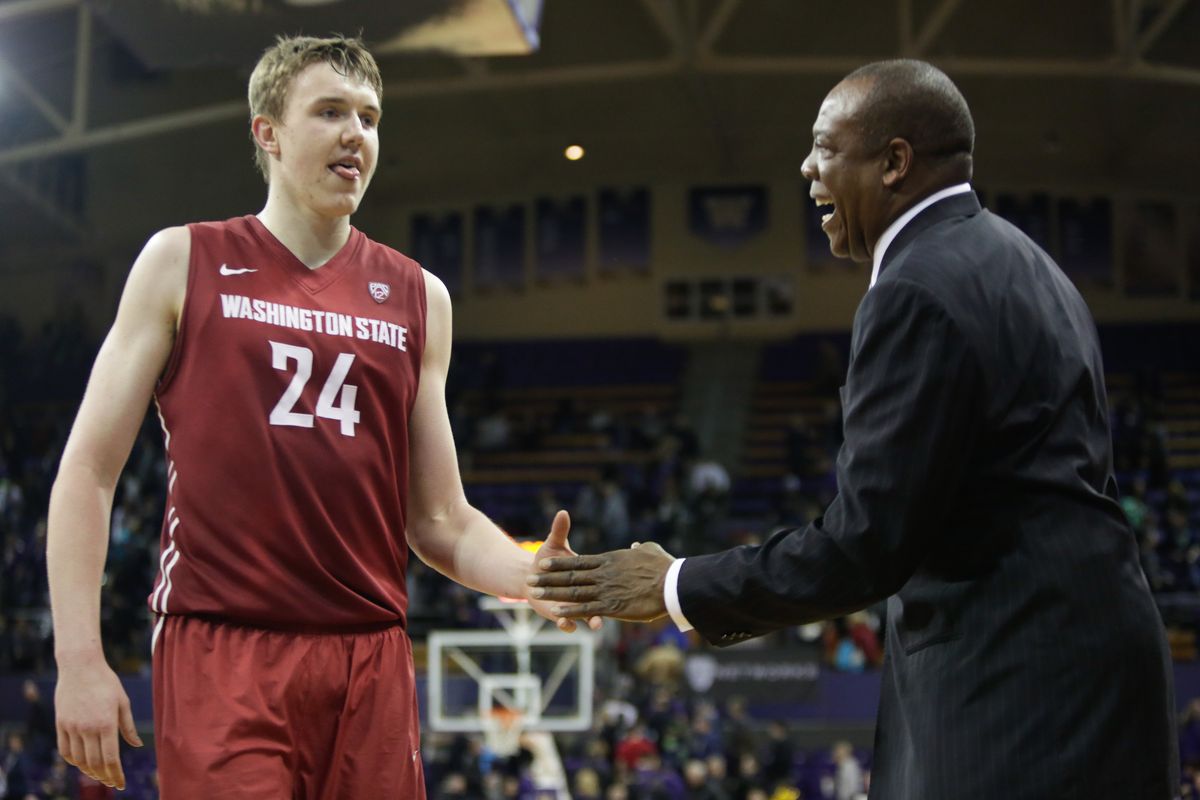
(1099, 94)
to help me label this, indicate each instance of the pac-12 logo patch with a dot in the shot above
(379, 291)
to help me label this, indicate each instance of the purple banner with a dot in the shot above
(499, 246)
(624, 222)
(1085, 239)
(561, 237)
(437, 244)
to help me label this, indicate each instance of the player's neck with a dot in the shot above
(312, 238)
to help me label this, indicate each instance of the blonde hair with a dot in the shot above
(288, 57)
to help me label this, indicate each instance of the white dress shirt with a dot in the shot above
(671, 584)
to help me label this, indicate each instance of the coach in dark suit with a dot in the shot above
(1025, 657)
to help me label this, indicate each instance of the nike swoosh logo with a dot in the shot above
(226, 270)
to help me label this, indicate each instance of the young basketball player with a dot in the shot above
(299, 372)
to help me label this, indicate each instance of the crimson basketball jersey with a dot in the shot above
(285, 408)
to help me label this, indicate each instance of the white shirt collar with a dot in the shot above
(898, 224)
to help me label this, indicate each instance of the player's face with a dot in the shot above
(329, 140)
(845, 176)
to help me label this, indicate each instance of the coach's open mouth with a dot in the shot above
(826, 204)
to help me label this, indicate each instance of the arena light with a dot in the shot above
(574, 152)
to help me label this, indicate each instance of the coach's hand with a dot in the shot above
(625, 584)
(556, 545)
(91, 705)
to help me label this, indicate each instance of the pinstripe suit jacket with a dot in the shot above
(1025, 657)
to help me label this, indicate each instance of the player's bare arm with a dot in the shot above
(90, 704)
(446, 531)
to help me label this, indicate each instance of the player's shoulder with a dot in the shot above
(177, 241)
(168, 249)
(437, 296)
(236, 226)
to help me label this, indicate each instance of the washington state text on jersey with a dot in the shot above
(238, 306)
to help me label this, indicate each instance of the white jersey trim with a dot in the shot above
(171, 554)
(158, 626)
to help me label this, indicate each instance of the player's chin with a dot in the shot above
(342, 205)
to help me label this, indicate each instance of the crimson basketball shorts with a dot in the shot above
(249, 714)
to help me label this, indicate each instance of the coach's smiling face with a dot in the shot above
(848, 179)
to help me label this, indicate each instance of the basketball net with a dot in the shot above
(502, 729)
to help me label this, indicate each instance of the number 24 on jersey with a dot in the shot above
(336, 401)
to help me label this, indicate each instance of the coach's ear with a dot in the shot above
(898, 162)
(264, 133)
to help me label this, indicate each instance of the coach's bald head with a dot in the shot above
(889, 134)
(915, 101)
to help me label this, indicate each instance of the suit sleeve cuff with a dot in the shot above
(671, 595)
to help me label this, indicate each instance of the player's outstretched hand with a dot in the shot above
(91, 706)
(625, 584)
(556, 545)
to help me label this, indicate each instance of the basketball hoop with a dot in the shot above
(502, 729)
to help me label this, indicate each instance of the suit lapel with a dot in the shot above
(959, 205)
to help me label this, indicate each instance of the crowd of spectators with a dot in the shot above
(1161, 509)
(653, 739)
(658, 744)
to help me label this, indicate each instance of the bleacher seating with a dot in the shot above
(532, 380)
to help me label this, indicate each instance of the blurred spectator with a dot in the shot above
(1133, 503)
(848, 779)
(617, 791)
(493, 431)
(708, 476)
(634, 745)
(59, 783)
(654, 781)
(39, 724)
(602, 504)
(1189, 735)
(863, 630)
(672, 518)
(704, 738)
(697, 784)
(749, 776)
(586, 785)
(778, 754)
(738, 730)
(16, 769)
(660, 666)
(802, 455)
(719, 777)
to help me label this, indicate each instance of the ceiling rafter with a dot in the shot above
(716, 26)
(904, 21)
(1158, 26)
(43, 105)
(15, 9)
(678, 21)
(665, 14)
(934, 25)
(30, 194)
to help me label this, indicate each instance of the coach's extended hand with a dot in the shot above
(624, 584)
